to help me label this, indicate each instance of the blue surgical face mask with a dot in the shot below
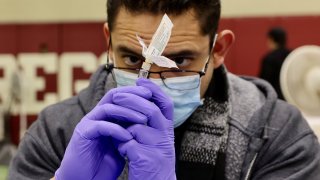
(185, 101)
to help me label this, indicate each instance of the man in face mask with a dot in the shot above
(195, 121)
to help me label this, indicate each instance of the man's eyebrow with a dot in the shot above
(182, 53)
(124, 49)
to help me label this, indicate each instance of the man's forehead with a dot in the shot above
(145, 23)
(186, 34)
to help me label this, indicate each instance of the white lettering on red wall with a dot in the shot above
(47, 78)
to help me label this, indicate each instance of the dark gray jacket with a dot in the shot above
(268, 139)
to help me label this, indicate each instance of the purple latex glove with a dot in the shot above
(151, 153)
(91, 152)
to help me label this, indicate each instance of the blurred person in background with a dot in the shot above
(272, 62)
(195, 122)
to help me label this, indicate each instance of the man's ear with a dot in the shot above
(107, 35)
(224, 42)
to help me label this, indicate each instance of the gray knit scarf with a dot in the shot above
(207, 133)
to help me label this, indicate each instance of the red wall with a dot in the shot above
(244, 57)
(250, 46)
(73, 37)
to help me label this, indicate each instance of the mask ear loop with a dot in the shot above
(207, 62)
(109, 66)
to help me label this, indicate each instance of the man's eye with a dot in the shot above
(132, 60)
(182, 62)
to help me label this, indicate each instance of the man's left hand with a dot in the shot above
(151, 153)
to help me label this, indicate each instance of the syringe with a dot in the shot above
(144, 71)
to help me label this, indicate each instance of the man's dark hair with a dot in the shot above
(279, 36)
(207, 11)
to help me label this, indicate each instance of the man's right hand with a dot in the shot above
(92, 151)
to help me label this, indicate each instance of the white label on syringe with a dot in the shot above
(162, 61)
(158, 43)
(161, 38)
(143, 45)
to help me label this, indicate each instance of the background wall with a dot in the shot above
(254, 8)
(63, 26)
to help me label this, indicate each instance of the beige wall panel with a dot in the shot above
(245, 8)
(52, 10)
